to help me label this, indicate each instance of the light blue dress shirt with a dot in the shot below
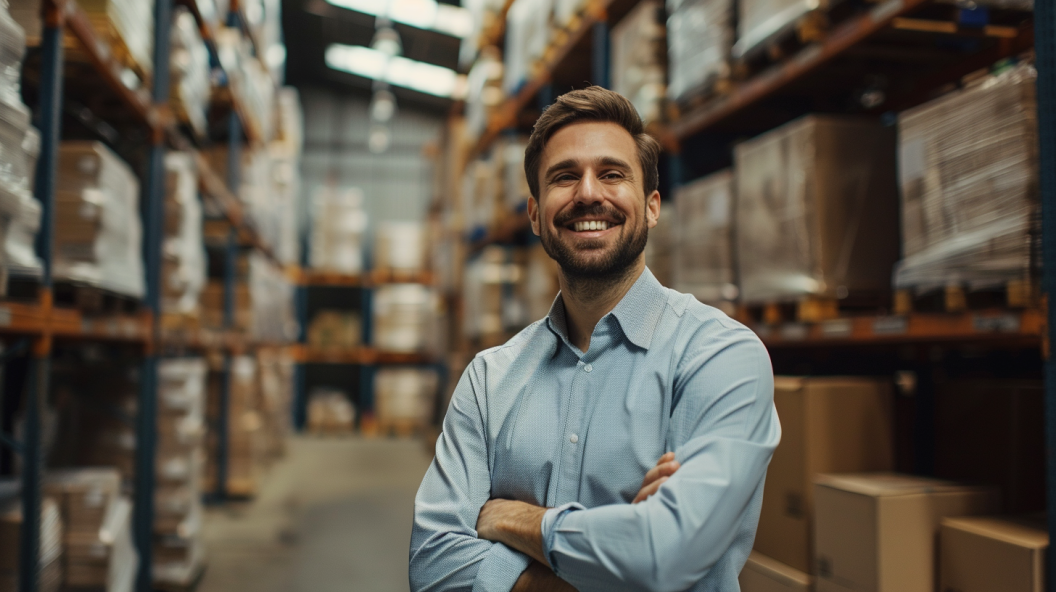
(538, 420)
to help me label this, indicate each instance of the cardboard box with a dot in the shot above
(877, 532)
(763, 574)
(828, 425)
(993, 554)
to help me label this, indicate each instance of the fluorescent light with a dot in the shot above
(421, 14)
(397, 70)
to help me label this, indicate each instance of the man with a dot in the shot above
(538, 479)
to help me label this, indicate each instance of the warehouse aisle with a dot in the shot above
(334, 515)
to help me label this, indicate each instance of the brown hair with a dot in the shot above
(591, 104)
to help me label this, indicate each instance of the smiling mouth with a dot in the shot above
(590, 225)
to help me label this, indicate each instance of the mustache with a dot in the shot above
(592, 210)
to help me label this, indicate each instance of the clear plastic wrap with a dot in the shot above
(272, 301)
(405, 318)
(12, 48)
(699, 37)
(98, 233)
(968, 170)
(527, 35)
(639, 59)
(816, 210)
(184, 272)
(189, 64)
(338, 227)
(405, 395)
(759, 20)
(703, 257)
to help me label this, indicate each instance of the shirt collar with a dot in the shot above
(637, 312)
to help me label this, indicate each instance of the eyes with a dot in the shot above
(566, 177)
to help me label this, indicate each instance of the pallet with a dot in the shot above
(93, 300)
(957, 298)
(811, 309)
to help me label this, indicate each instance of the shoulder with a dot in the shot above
(704, 332)
(501, 357)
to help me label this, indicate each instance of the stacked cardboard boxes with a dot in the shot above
(758, 21)
(178, 551)
(699, 36)
(244, 425)
(97, 541)
(405, 396)
(988, 554)
(184, 263)
(639, 59)
(275, 368)
(98, 232)
(816, 211)
(50, 576)
(968, 170)
(400, 246)
(335, 331)
(330, 412)
(703, 259)
(829, 425)
(339, 223)
(405, 318)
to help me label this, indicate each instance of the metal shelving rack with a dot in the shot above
(41, 324)
(366, 358)
(753, 105)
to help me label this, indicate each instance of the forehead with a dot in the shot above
(587, 141)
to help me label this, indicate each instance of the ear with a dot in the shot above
(652, 208)
(533, 214)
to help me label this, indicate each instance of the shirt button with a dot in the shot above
(574, 439)
(588, 368)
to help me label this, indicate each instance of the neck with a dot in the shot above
(586, 300)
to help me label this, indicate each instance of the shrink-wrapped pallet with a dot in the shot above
(339, 224)
(699, 39)
(98, 233)
(271, 300)
(97, 543)
(639, 59)
(124, 27)
(816, 211)
(968, 170)
(244, 444)
(484, 96)
(330, 412)
(492, 303)
(484, 16)
(189, 65)
(285, 154)
(527, 36)
(405, 318)
(405, 395)
(482, 197)
(400, 246)
(335, 330)
(703, 255)
(761, 20)
(660, 249)
(275, 375)
(184, 263)
(50, 576)
(248, 80)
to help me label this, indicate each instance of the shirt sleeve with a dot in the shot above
(724, 409)
(445, 551)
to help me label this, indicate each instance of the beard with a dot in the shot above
(590, 262)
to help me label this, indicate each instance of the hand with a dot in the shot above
(657, 476)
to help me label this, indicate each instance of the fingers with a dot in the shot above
(667, 457)
(661, 470)
(649, 490)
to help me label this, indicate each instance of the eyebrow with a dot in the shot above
(604, 161)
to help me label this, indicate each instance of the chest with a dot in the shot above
(584, 431)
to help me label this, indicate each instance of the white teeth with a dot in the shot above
(591, 225)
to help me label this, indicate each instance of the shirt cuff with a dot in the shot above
(501, 568)
(551, 519)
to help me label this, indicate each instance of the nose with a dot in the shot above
(589, 189)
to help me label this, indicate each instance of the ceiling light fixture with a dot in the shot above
(396, 70)
(421, 14)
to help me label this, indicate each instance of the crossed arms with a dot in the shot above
(723, 431)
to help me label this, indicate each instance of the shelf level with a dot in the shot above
(1025, 327)
(361, 356)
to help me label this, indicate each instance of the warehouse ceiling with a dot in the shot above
(310, 26)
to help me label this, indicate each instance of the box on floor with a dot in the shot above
(877, 532)
(993, 554)
(763, 574)
(829, 425)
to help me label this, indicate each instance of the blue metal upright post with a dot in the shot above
(1045, 52)
(600, 56)
(37, 386)
(153, 229)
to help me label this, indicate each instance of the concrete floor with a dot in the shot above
(334, 515)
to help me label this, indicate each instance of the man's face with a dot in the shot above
(592, 216)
